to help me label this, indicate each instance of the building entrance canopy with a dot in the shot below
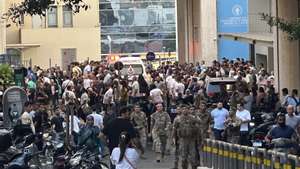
(263, 39)
(22, 46)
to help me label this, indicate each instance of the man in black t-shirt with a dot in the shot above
(41, 119)
(114, 128)
(57, 122)
(118, 125)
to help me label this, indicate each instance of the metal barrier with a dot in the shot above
(223, 155)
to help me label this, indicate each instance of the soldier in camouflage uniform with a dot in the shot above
(205, 120)
(160, 125)
(139, 120)
(176, 140)
(185, 129)
(200, 98)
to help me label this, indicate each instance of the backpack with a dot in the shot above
(297, 101)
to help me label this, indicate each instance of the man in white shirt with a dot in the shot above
(179, 88)
(291, 119)
(286, 98)
(156, 95)
(87, 82)
(107, 79)
(135, 87)
(87, 69)
(66, 83)
(69, 96)
(244, 116)
(98, 119)
(170, 84)
(108, 98)
(76, 129)
(219, 115)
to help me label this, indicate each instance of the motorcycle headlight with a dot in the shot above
(75, 161)
(45, 135)
(28, 149)
(59, 145)
(252, 124)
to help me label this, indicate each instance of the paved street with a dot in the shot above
(150, 162)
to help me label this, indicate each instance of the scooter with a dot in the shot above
(260, 126)
(285, 145)
(84, 159)
(16, 159)
(22, 160)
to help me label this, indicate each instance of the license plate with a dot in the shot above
(257, 144)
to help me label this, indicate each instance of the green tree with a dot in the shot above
(292, 28)
(39, 7)
(6, 75)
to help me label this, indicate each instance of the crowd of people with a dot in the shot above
(168, 106)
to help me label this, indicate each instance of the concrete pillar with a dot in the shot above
(197, 30)
(270, 59)
(2, 29)
(182, 30)
(208, 29)
(286, 52)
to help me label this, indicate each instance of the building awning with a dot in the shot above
(22, 46)
(264, 39)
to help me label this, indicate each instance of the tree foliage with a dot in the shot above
(39, 7)
(292, 28)
(6, 75)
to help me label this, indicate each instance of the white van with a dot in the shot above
(133, 66)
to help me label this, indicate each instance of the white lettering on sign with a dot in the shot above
(14, 96)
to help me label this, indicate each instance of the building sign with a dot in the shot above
(13, 101)
(232, 18)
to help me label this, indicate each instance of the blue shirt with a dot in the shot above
(219, 116)
(282, 132)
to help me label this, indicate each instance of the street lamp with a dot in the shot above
(164, 51)
(109, 43)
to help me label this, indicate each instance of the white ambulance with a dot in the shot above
(133, 66)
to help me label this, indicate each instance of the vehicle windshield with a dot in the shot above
(132, 70)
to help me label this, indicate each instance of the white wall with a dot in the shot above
(255, 8)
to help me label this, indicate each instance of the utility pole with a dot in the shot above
(2, 29)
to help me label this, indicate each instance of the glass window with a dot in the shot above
(126, 17)
(52, 16)
(104, 47)
(67, 16)
(170, 45)
(132, 69)
(137, 26)
(105, 6)
(107, 18)
(154, 45)
(142, 36)
(36, 22)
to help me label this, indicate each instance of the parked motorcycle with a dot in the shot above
(84, 159)
(20, 159)
(54, 150)
(285, 145)
(260, 126)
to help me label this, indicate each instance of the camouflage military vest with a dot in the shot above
(139, 119)
(187, 127)
(161, 123)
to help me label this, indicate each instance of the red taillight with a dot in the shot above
(259, 137)
(210, 94)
